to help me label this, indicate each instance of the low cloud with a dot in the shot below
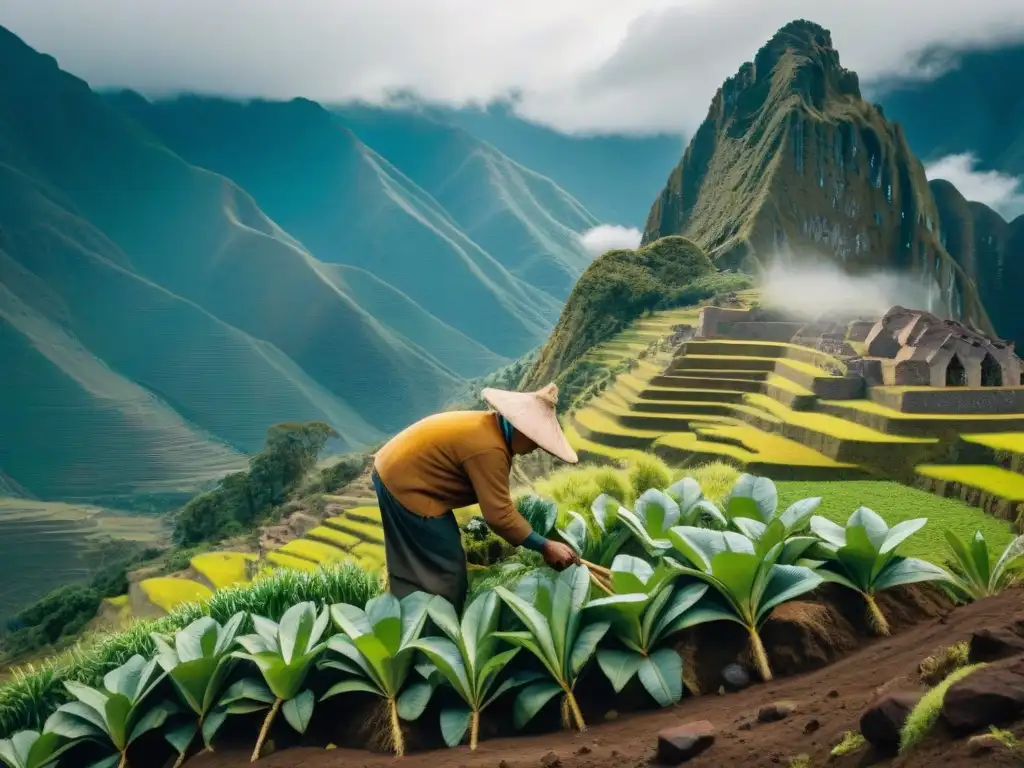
(810, 288)
(610, 237)
(997, 190)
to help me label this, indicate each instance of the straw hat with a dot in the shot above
(533, 414)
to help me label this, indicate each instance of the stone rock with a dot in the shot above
(550, 760)
(779, 710)
(735, 677)
(833, 694)
(983, 744)
(611, 714)
(881, 722)
(993, 644)
(504, 764)
(812, 725)
(990, 696)
(683, 742)
(584, 750)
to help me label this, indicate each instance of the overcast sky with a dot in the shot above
(580, 65)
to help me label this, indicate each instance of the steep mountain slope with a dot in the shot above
(976, 106)
(527, 222)
(350, 204)
(613, 176)
(791, 161)
(151, 309)
(986, 245)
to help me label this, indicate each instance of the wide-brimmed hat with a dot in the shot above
(533, 414)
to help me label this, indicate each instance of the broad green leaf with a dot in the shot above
(490, 668)
(516, 680)
(91, 697)
(299, 710)
(296, 630)
(443, 614)
(749, 527)
(858, 556)
(76, 721)
(683, 600)
(449, 661)
(531, 700)
(414, 615)
(752, 496)
(131, 678)
(212, 724)
(787, 582)
(605, 511)
(352, 620)
(351, 686)
(247, 688)
(388, 632)
(736, 572)
(705, 508)
(686, 492)
(535, 622)
(575, 533)
(700, 545)
(636, 526)
(901, 532)
(981, 557)
(154, 719)
(909, 570)
(115, 713)
(266, 630)
(836, 577)
(828, 531)
(414, 700)
(799, 513)
(1013, 552)
(630, 574)
(662, 676)
(106, 762)
(479, 621)
(658, 511)
(874, 526)
(618, 666)
(197, 640)
(585, 646)
(454, 724)
(181, 736)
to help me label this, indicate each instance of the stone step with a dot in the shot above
(688, 363)
(998, 491)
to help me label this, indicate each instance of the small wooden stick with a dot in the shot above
(596, 568)
(601, 585)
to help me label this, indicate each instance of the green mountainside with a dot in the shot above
(613, 176)
(792, 160)
(176, 278)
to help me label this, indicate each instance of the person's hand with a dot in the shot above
(559, 556)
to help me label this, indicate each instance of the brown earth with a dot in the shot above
(829, 701)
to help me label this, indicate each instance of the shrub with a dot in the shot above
(924, 716)
(646, 472)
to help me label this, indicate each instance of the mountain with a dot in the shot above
(985, 244)
(466, 222)
(613, 176)
(792, 160)
(975, 106)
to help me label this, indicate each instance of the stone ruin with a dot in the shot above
(919, 349)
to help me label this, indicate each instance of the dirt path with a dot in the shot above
(830, 702)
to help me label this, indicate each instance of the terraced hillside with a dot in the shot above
(788, 412)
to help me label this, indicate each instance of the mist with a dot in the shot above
(809, 289)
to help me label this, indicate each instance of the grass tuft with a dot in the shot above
(648, 471)
(937, 667)
(851, 742)
(924, 716)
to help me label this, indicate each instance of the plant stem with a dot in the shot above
(474, 730)
(265, 730)
(181, 757)
(396, 729)
(124, 760)
(600, 584)
(760, 655)
(876, 619)
(574, 709)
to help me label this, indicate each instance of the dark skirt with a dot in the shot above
(423, 554)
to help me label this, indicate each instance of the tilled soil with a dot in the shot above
(829, 702)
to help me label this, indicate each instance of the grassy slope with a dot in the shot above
(187, 290)
(350, 204)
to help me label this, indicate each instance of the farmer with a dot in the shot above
(451, 460)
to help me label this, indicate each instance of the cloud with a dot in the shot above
(996, 190)
(809, 288)
(610, 237)
(578, 65)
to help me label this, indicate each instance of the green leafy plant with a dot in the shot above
(862, 556)
(539, 512)
(598, 543)
(284, 652)
(694, 508)
(377, 652)
(746, 578)
(642, 625)
(655, 512)
(198, 661)
(31, 749)
(780, 529)
(979, 576)
(468, 658)
(556, 634)
(113, 717)
(752, 497)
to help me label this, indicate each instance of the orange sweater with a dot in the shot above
(451, 460)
